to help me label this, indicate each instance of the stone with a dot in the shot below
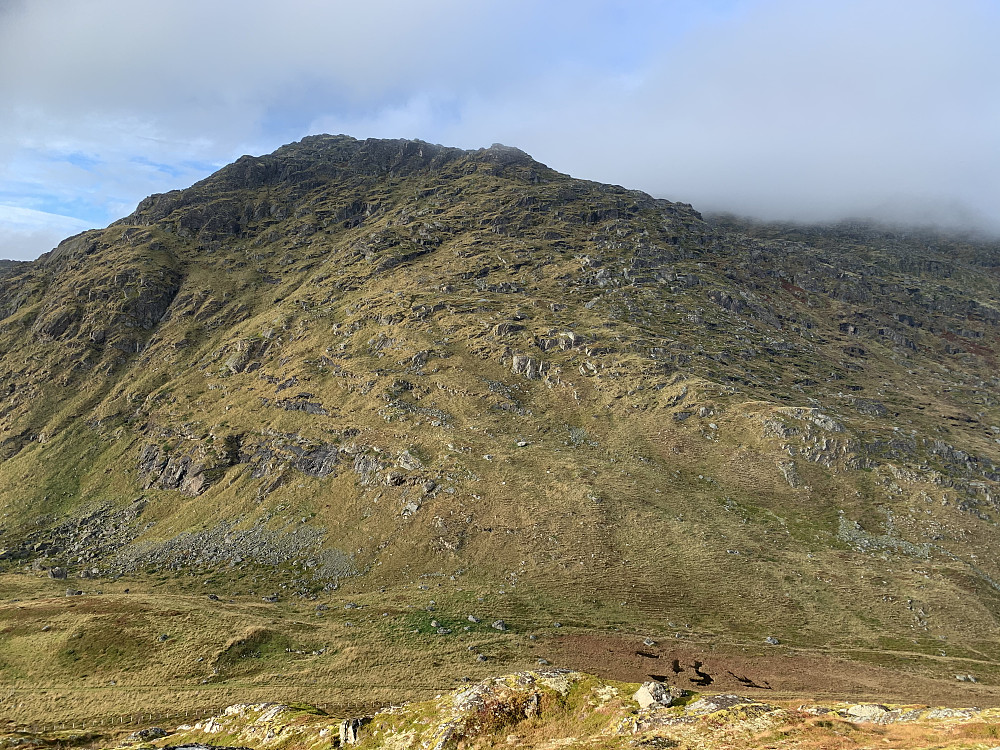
(656, 694)
(147, 735)
(59, 573)
(771, 641)
(499, 625)
(867, 712)
(409, 462)
(716, 703)
(952, 713)
(472, 618)
(790, 472)
(505, 329)
(529, 367)
(318, 462)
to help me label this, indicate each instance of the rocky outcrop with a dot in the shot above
(264, 725)
(656, 694)
(172, 472)
(268, 455)
(529, 367)
(571, 708)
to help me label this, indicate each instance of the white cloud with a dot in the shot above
(17, 217)
(809, 109)
(23, 231)
(794, 109)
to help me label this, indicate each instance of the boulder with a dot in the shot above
(529, 367)
(409, 462)
(715, 703)
(656, 694)
(147, 735)
(867, 712)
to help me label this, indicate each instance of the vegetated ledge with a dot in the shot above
(557, 708)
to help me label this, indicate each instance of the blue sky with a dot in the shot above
(791, 109)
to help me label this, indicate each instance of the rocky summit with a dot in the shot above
(355, 420)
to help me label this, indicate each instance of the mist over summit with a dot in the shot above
(783, 110)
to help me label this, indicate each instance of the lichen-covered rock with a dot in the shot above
(872, 712)
(529, 367)
(263, 725)
(566, 708)
(656, 694)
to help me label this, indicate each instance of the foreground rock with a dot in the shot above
(559, 708)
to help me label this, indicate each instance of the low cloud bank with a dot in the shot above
(781, 109)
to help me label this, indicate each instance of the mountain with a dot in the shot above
(375, 396)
